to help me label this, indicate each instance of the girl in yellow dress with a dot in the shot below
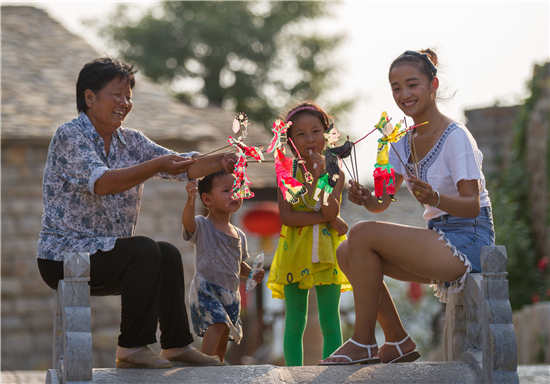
(311, 232)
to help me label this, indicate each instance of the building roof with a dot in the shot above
(41, 60)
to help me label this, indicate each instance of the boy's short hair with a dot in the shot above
(205, 184)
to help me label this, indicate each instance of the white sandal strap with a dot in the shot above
(365, 346)
(347, 357)
(397, 344)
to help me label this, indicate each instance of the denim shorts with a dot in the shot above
(466, 235)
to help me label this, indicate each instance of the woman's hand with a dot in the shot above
(174, 164)
(358, 194)
(422, 191)
(340, 225)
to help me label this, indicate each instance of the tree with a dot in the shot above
(528, 273)
(247, 56)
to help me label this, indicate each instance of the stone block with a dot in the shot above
(18, 344)
(496, 288)
(33, 306)
(77, 319)
(77, 359)
(11, 323)
(499, 312)
(11, 287)
(76, 265)
(29, 224)
(73, 294)
(493, 259)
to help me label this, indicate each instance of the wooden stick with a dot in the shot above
(263, 161)
(364, 136)
(347, 169)
(400, 159)
(214, 150)
(356, 167)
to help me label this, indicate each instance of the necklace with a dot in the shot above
(413, 154)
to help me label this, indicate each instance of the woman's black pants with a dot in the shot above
(148, 275)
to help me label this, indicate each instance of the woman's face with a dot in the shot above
(412, 91)
(307, 133)
(108, 107)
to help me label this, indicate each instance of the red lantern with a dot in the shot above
(263, 219)
(414, 292)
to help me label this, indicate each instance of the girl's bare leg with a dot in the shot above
(403, 252)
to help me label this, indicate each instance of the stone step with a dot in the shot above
(421, 373)
(528, 374)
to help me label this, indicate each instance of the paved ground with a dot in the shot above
(399, 373)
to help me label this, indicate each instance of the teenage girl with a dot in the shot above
(451, 186)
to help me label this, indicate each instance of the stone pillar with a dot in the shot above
(72, 337)
(498, 337)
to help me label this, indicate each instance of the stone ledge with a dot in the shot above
(528, 374)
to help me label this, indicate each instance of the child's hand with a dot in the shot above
(192, 189)
(228, 162)
(317, 162)
(340, 225)
(259, 276)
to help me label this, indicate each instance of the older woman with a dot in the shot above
(92, 188)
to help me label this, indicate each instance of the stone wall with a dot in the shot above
(493, 128)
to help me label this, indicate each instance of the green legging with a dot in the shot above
(328, 303)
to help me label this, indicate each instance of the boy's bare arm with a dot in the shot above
(188, 216)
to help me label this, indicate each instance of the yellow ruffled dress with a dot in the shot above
(306, 255)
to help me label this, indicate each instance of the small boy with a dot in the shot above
(220, 251)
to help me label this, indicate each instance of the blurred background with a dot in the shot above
(200, 62)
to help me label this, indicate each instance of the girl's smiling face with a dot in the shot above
(412, 91)
(307, 133)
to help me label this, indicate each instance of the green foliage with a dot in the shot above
(247, 56)
(512, 214)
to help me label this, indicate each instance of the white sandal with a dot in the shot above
(368, 360)
(403, 357)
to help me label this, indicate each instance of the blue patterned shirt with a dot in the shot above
(75, 219)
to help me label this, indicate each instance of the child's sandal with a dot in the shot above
(403, 357)
(371, 359)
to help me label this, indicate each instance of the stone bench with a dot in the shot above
(479, 337)
(478, 322)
